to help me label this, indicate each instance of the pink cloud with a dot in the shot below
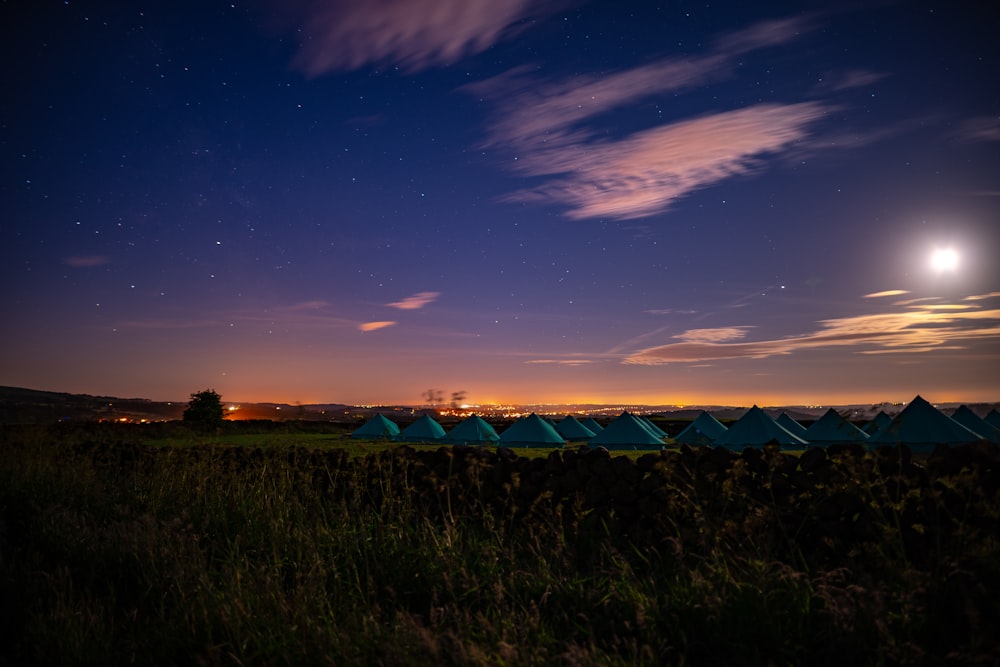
(86, 261)
(414, 34)
(918, 329)
(416, 301)
(982, 128)
(166, 324)
(315, 314)
(561, 362)
(720, 335)
(763, 34)
(305, 315)
(551, 127)
(533, 111)
(309, 305)
(645, 173)
(374, 326)
(670, 311)
(855, 78)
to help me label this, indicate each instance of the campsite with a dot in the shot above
(272, 543)
(551, 333)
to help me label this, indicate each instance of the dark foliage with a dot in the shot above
(121, 552)
(205, 409)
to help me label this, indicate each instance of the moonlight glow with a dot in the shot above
(944, 260)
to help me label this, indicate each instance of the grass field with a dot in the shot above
(126, 546)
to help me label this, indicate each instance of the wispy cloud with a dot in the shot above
(416, 301)
(532, 110)
(922, 299)
(669, 311)
(561, 362)
(916, 329)
(719, 335)
(301, 316)
(645, 173)
(86, 261)
(771, 32)
(947, 306)
(374, 326)
(413, 34)
(166, 324)
(552, 128)
(982, 128)
(316, 314)
(307, 306)
(855, 78)
(888, 292)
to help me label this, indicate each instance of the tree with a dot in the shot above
(205, 409)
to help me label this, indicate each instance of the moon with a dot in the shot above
(944, 260)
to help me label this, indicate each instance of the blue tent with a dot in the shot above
(531, 431)
(425, 429)
(702, 431)
(572, 430)
(756, 429)
(970, 420)
(921, 426)
(878, 422)
(653, 428)
(377, 428)
(790, 425)
(626, 432)
(831, 429)
(592, 424)
(471, 431)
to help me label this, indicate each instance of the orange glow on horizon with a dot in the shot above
(680, 401)
(521, 395)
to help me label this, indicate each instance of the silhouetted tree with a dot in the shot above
(457, 398)
(205, 409)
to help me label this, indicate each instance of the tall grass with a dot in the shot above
(117, 552)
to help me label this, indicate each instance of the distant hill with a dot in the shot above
(31, 406)
(19, 405)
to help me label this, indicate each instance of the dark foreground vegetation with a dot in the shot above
(118, 551)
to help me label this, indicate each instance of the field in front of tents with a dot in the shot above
(120, 545)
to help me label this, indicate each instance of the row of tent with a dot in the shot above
(919, 424)
(628, 431)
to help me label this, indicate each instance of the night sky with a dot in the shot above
(605, 201)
